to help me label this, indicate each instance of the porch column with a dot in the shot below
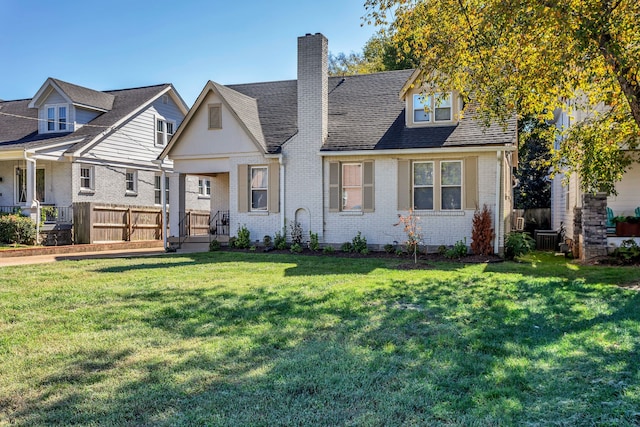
(177, 202)
(182, 202)
(31, 183)
(594, 225)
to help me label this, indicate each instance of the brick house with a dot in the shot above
(343, 154)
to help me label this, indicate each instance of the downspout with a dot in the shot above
(282, 192)
(496, 242)
(34, 200)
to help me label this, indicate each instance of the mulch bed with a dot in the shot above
(424, 260)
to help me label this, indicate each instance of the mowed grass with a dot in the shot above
(235, 339)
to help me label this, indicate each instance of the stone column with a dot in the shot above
(577, 232)
(594, 225)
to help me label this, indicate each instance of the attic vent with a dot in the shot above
(165, 99)
(215, 116)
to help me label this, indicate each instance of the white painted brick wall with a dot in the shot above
(438, 228)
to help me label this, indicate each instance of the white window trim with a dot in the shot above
(204, 191)
(91, 178)
(166, 136)
(461, 185)
(56, 118)
(414, 186)
(342, 186)
(134, 181)
(432, 114)
(252, 189)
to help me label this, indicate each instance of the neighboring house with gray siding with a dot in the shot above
(344, 154)
(72, 144)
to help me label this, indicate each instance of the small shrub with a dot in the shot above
(232, 241)
(411, 227)
(243, 240)
(328, 250)
(458, 250)
(214, 246)
(296, 248)
(628, 252)
(399, 252)
(280, 240)
(359, 244)
(482, 233)
(389, 248)
(442, 250)
(517, 244)
(314, 244)
(17, 229)
(252, 248)
(266, 241)
(296, 232)
(346, 247)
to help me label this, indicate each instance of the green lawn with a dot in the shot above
(236, 339)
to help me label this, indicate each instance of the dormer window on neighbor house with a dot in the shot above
(57, 118)
(432, 108)
(164, 131)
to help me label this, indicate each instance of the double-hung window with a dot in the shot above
(86, 177)
(423, 185)
(351, 187)
(259, 188)
(451, 185)
(56, 118)
(158, 189)
(131, 181)
(204, 187)
(432, 108)
(164, 131)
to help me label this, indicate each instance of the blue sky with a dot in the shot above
(118, 44)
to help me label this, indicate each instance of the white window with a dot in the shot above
(432, 108)
(164, 131)
(56, 118)
(423, 185)
(352, 186)
(86, 177)
(259, 188)
(131, 181)
(158, 189)
(204, 187)
(451, 185)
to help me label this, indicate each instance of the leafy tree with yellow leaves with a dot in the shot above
(534, 57)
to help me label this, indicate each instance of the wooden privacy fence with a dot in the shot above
(100, 222)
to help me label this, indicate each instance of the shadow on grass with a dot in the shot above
(462, 346)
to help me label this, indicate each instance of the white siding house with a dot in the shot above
(72, 144)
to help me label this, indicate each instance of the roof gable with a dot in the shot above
(243, 109)
(74, 94)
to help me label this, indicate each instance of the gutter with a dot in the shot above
(412, 151)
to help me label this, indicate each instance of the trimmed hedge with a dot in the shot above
(17, 229)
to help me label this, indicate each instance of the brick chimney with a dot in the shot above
(313, 97)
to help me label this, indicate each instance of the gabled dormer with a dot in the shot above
(429, 106)
(64, 107)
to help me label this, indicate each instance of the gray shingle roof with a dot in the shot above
(84, 96)
(247, 110)
(19, 126)
(365, 113)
